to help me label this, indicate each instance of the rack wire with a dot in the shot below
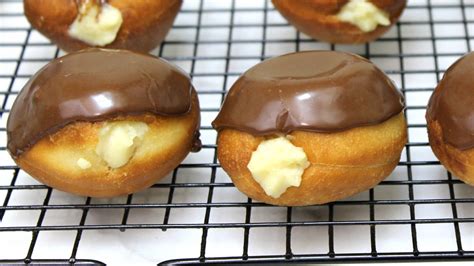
(215, 41)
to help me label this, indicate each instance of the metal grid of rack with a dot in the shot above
(419, 212)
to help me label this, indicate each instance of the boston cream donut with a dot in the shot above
(450, 119)
(346, 21)
(104, 123)
(309, 128)
(138, 25)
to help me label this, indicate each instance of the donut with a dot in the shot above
(310, 128)
(103, 123)
(137, 25)
(346, 21)
(449, 118)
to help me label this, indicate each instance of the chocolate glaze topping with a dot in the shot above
(320, 91)
(452, 104)
(94, 85)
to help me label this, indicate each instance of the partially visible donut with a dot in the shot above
(450, 119)
(342, 21)
(141, 24)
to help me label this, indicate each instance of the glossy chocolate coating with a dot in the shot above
(452, 104)
(320, 91)
(94, 85)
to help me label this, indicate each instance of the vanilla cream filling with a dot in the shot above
(277, 165)
(119, 140)
(83, 163)
(96, 25)
(363, 14)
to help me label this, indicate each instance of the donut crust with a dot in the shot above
(317, 18)
(459, 162)
(145, 22)
(53, 159)
(342, 163)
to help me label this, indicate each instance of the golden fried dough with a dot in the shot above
(342, 163)
(318, 19)
(145, 22)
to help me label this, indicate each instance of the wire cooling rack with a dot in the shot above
(196, 214)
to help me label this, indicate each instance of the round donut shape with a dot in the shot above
(317, 18)
(339, 108)
(59, 118)
(145, 22)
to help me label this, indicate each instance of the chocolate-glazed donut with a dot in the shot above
(450, 119)
(76, 102)
(344, 113)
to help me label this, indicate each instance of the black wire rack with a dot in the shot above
(412, 199)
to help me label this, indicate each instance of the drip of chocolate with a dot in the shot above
(197, 144)
(95, 85)
(452, 104)
(320, 91)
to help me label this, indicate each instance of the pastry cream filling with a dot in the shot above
(96, 25)
(363, 14)
(119, 140)
(83, 163)
(277, 165)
